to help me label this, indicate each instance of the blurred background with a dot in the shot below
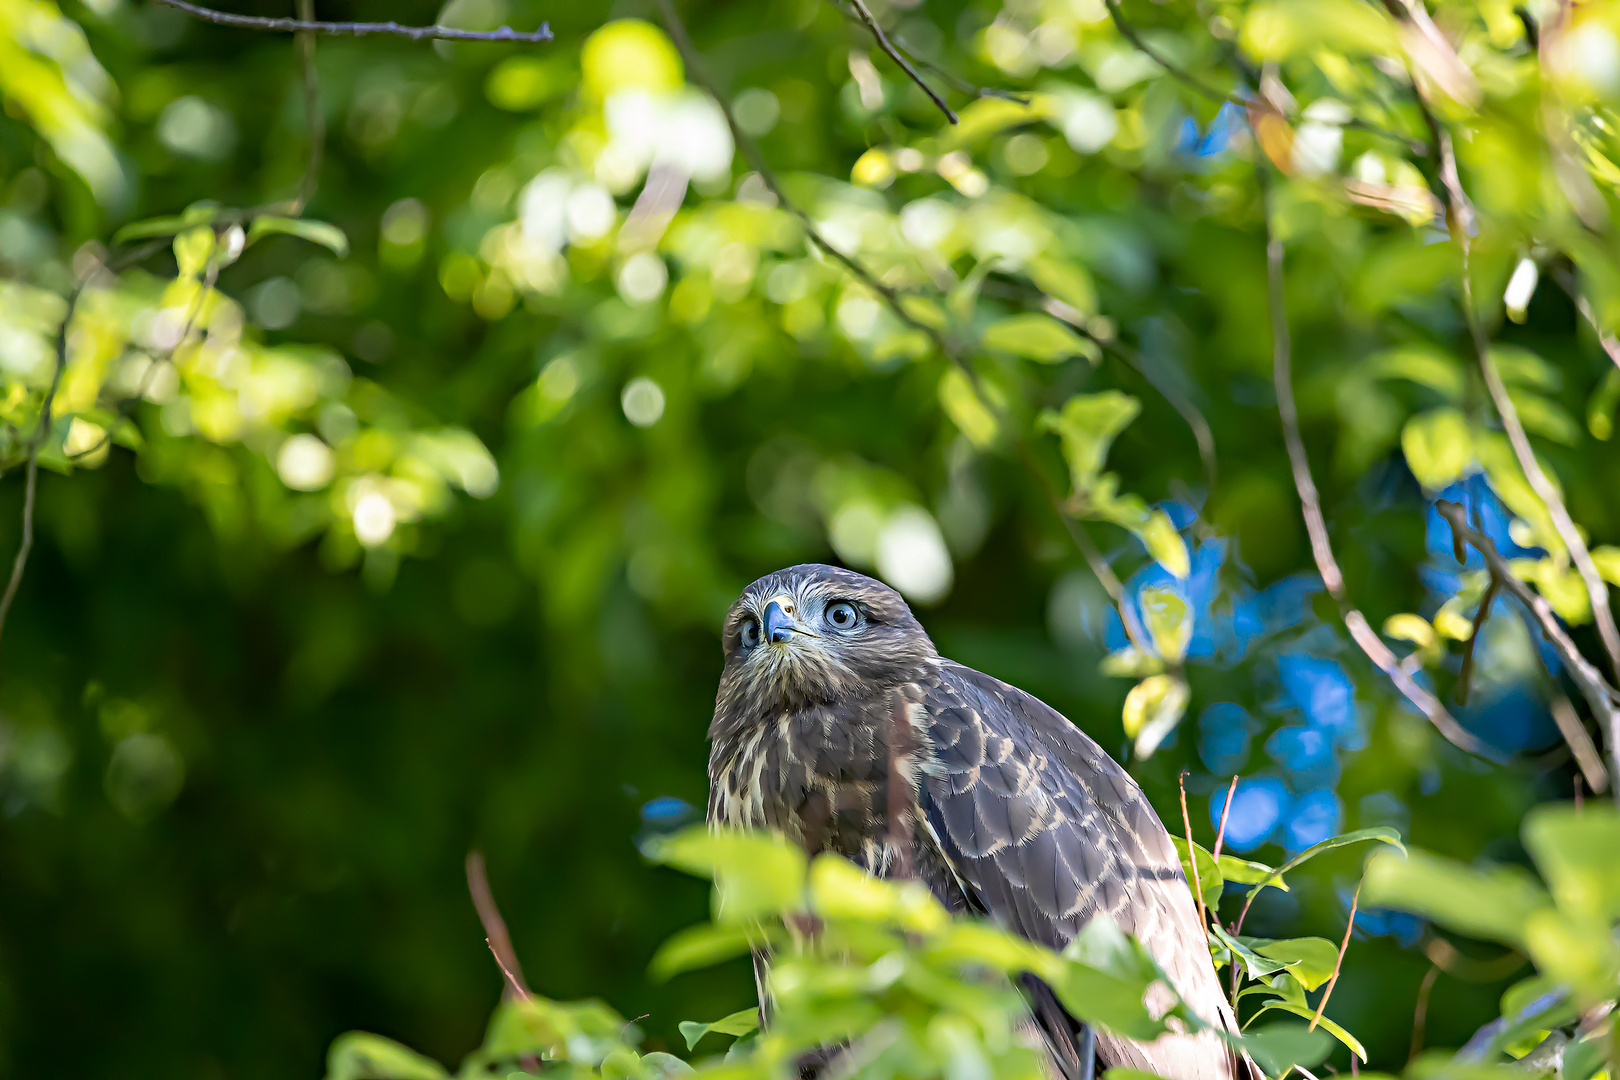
(361, 548)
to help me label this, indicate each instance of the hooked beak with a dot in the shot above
(779, 626)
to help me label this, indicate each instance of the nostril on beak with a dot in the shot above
(778, 627)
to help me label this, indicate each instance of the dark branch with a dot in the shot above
(1599, 695)
(35, 441)
(415, 33)
(1192, 82)
(1316, 525)
(895, 55)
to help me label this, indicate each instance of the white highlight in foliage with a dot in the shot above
(642, 278)
(911, 555)
(1089, 122)
(373, 518)
(642, 401)
(1520, 288)
(927, 223)
(305, 463)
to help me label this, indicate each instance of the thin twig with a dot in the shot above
(1192, 82)
(1420, 1013)
(496, 934)
(1465, 672)
(1220, 831)
(1462, 214)
(35, 441)
(1316, 525)
(312, 110)
(1339, 961)
(1599, 695)
(699, 73)
(1608, 342)
(1202, 434)
(415, 33)
(1192, 852)
(895, 55)
(1581, 746)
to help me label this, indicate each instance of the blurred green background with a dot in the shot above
(349, 565)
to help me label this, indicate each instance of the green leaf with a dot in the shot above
(1152, 710)
(1309, 959)
(1437, 446)
(698, 947)
(1584, 1057)
(1254, 964)
(1210, 881)
(841, 890)
(738, 1023)
(1379, 833)
(1278, 1047)
(754, 874)
(966, 409)
(1087, 426)
(1244, 872)
(194, 215)
(361, 1056)
(316, 232)
(1324, 1024)
(1067, 282)
(964, 295)
(1037, 337)
(1279, 29)
(1600, 409)
(1439, 371)
(1578, 853)
(1169, 621)
(1492, 903)
(1105, 978)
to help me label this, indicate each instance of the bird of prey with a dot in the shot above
(1019, 815)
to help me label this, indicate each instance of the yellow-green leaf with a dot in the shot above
(1438, 447)
(1037, 337)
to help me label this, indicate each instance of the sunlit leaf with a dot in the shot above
(1037, 337)
(698, 946)
(1578, 853)
(316, 232)
(1491, 903)
(1381, 834)
(1277, 1047)
(1210, 881)
(1087, 426)
(1310, 960)
(1153, 708)
(1323, 1023)
(359, 1056)
(738, 1023)
(1437, 447)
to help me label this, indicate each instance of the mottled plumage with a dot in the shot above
(1018, 814)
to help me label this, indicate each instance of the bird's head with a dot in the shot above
(816, 634)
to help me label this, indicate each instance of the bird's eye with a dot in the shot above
(842, 615)
(750, 633)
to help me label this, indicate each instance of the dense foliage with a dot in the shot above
(393, 421)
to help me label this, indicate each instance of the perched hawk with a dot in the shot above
(1019, 815)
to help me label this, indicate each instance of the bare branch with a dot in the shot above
(312, 110)
(1599, 695)
(894, 54)
(1462, 214)
(1611, 346)
(1344, 947)
(31, 482)
(1465, 673)
(1580, 744)
(1316, 525)
(1192, 82)
(1226, 808)
(1192, 852)
(415, 33)
(500, 941)
(1202, 434)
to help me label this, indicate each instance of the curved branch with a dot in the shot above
(1316, 525)
(894, 54)
(415, 33)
